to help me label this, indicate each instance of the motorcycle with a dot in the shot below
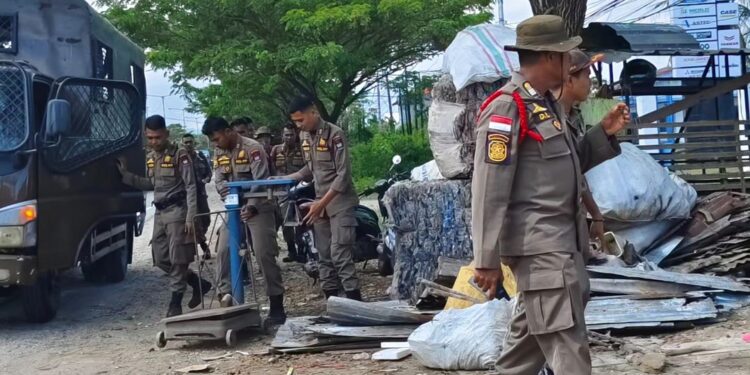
(387, 243)
(368, 233)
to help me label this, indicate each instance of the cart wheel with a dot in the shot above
(231, 338)
(161, 340)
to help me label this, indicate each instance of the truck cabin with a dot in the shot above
(691, 115)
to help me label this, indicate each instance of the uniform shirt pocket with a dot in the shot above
(242, 168)
(167, 172)
(548, 305)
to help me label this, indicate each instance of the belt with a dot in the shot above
(176, 199)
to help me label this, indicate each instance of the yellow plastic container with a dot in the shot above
(462, 285)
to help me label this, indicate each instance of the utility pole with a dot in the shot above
(499, 12)
(184, 124)
(163, 106)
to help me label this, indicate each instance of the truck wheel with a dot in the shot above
(385, 268)
(92, 273)
(41, 300)
(114, 266)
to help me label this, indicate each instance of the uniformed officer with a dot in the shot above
(264, 137)
(526, 190)
(203, 176)
(238, 158)
(172, 178)
(288, 159)
(328, 164)
(244, 127)
(575, 91)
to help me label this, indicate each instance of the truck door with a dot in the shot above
(79, 185)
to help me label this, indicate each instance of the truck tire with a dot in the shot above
(41, 300)
(114, 266)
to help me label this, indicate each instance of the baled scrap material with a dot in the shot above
(706, 281)
(431, 219)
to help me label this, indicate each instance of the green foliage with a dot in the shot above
(259, 53)
(176, 131)
(372, 160)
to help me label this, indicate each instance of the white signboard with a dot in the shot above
(704, 35)
(700, 10)
(690, 2)
(728, 14)
(689, 61)
(729, 38)
(696, 72)
(696, 23)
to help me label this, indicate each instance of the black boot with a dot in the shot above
(330, 293)
(206, 250)
(354, 294)
(276, 314)
(175, 305)
(200, 287)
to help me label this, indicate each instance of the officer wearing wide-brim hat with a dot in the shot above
(526, 188)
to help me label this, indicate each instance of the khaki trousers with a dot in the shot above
(172, 250)
(263, 234)
(548, 323)
(335, 239)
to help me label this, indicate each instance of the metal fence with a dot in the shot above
(13, 107)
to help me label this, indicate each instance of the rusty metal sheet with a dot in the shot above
(707, 281)
(623, 312)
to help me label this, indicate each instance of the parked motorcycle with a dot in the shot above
(387, 243)
(368, 233)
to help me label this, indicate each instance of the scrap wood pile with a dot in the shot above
(348, 325)
(716, 240)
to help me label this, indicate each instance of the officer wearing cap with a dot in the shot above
(288, 159)
(575, 91)
(172, 178)
(264, 137)
(526, 190)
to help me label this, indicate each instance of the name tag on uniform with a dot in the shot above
(167, 165)
(500, 123)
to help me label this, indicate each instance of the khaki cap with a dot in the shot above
(263, 130)
(544, 33)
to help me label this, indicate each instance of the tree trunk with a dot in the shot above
(573, 12)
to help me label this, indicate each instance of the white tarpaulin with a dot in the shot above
(477, 55)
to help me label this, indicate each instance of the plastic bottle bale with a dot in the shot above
(472, 97)
(431, 219)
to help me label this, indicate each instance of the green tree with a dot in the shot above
(573, 12)
(260, 53)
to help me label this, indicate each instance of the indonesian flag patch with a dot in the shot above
(501, 123)
(338, 142)
(255, 155)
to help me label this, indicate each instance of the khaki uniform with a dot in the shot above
(172, 178)
(248, 161)
(287, 161)
(202, 171)
(526, 209)
(327, 156)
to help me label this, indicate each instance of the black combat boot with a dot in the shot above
(200, 287)
(276, 314)
(354, 294)
(330, 293)
(175, 305)
(206, 251)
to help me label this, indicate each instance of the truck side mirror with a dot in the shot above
(58, 118)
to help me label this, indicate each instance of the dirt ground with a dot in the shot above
(111, 329)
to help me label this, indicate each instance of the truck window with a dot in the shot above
(8, 33)
(103, 66)
(13, 107)
(138, 79)
(100, 127)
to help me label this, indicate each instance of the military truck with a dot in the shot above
(72, 98)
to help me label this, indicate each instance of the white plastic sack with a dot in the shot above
(426, 172)
(465, 339)
(477, 55)
(634, 187)
(445, 147)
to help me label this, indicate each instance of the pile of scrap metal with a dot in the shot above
(349, 325)
(715, 241)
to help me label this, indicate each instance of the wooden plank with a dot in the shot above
(699, 156)
(706, 134)
(330, 348)
(447, 270)
(694, 145)
(715, 165)
(687, 124)
(710, 177)
(372, 332)
(689, 101)
(718, 187)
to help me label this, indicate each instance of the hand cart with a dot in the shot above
(225, 322)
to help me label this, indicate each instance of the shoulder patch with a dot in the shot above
(255, 155)
(498, 148)
(184, 159)
(338, 142)
(501, 123)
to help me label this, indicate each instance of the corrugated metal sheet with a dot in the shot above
(623, 312)
(627, 37)
(707, 281)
